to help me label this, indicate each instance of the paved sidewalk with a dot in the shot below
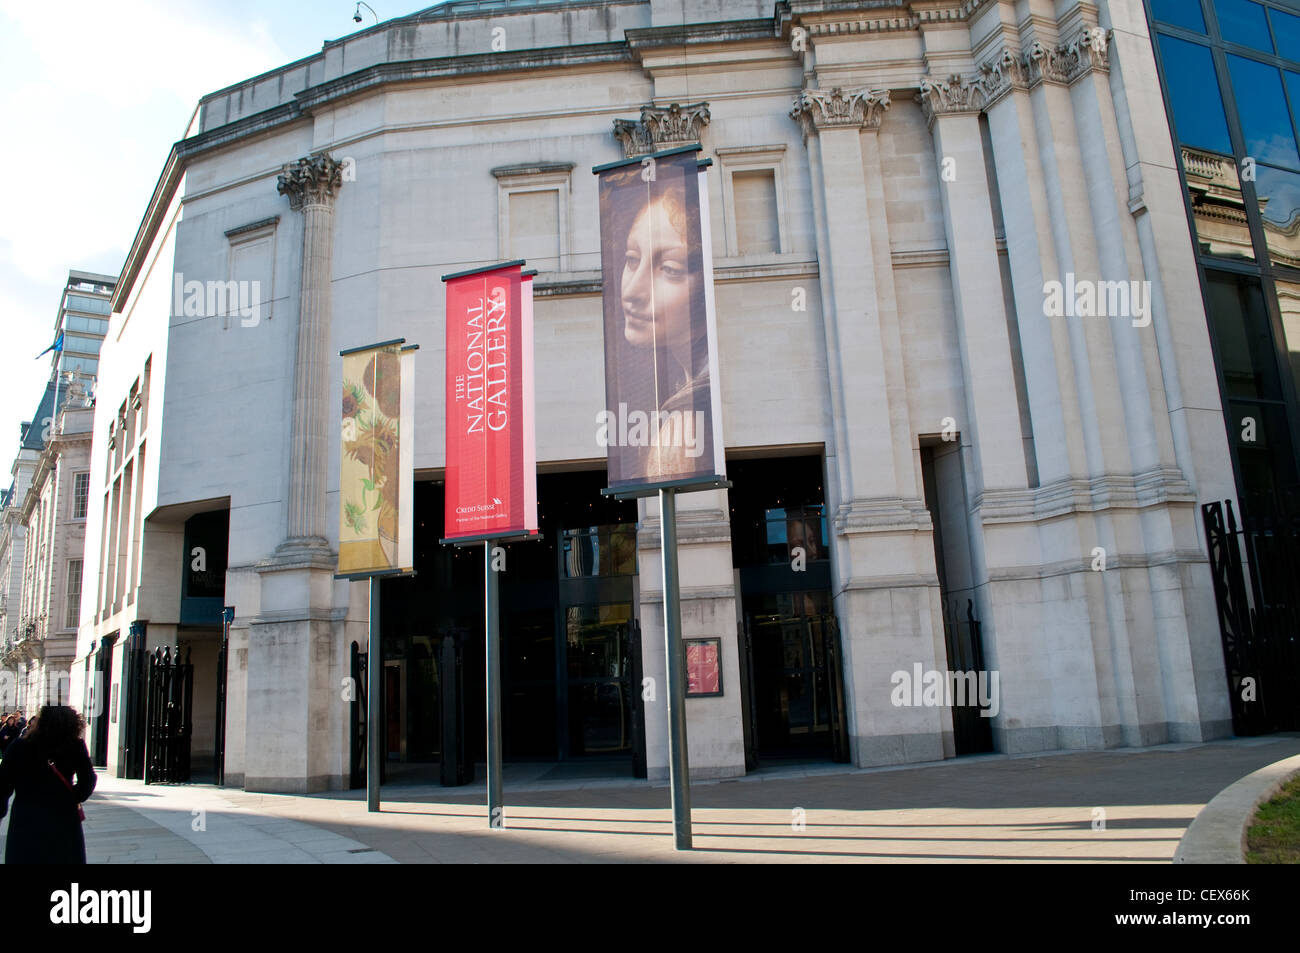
(1041, 808)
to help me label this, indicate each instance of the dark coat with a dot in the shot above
(7, 734)
(45, 828)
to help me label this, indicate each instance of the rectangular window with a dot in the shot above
(82, 303)
(753, 204)
(248, 301)
(535, 226)
(80, 495)
(757, 228)
(533, 213)
(74, 594)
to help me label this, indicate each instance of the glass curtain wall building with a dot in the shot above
(1230, 71)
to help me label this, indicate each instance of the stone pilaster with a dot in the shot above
(709, 606)
(992, 412)
(884, 582)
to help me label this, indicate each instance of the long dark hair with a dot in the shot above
(57, 726)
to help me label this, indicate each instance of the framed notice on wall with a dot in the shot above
(703, 667)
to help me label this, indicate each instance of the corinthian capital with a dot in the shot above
(951, 96)
(662, 127)
(1088, 50)
(1005, 72)
(312, 180)
(1066, 62)
(1047, 64)
(840, 108)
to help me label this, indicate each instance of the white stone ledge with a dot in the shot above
(288, 616)
(908, 581)
(650, 597)
(1156, 487)
(1084, 565)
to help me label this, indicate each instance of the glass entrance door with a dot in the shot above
(597, 659)
(792, 673)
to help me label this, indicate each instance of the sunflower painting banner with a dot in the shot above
(375, 472)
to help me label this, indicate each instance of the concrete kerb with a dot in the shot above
(1218, 834)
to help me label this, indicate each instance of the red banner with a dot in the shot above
(491, 459)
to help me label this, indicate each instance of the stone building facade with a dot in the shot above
(896, 187)
(52, 515)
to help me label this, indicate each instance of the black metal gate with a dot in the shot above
(1256, 573)
(171, 702)
(223, 660)
(972, 732)
(357, 777)
(135, 700)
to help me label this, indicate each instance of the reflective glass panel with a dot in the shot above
(597, 640)
(1194, 95)
(1184, 13)
(1286, 30)
(1245, 346)
(1242, 21)
(1279, 205)
(1218, 206)
(1288, 303)
(1265, 119)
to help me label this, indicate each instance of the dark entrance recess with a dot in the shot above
(568, 633)
(945, 498)
(103, 678)
(792, 684)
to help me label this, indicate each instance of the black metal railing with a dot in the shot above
(357, 776)
(1256, 572)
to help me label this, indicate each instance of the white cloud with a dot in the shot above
(94, 96)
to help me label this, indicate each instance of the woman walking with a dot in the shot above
(39, 769)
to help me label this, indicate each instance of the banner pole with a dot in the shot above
(678, 759)
(496, 809)
(374, 730)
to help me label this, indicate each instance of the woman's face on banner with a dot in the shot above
(656, 289)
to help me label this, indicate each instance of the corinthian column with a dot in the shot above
(310, 184)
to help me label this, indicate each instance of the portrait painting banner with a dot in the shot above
(491, 448)
(661, 421)
(376, 466)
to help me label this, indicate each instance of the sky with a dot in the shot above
(92, 96)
